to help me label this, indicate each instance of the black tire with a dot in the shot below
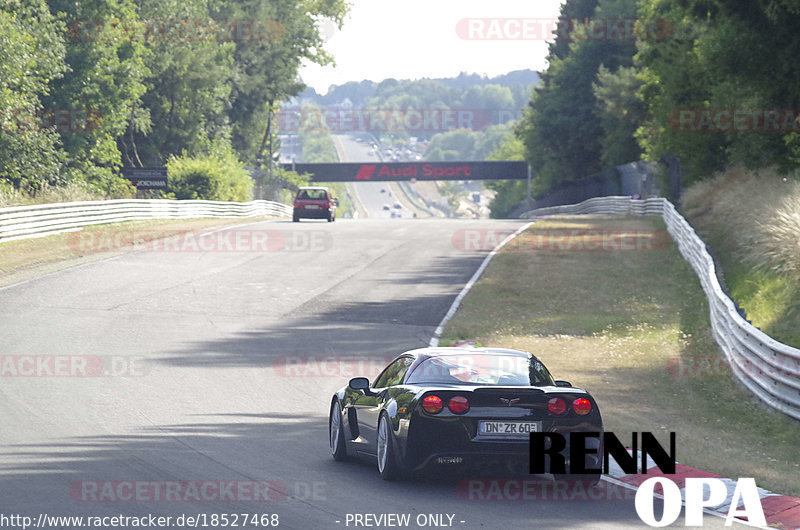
(388, 465)
(295, 218)
(336, 433)
(331, 217)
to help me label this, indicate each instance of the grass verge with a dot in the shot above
(622, 324)
(751, 220)
(29, 258)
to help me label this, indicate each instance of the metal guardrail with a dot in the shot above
(768, 368)
(22, 222)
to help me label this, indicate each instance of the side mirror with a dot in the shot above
(359, 383)
(336, 202)
(563, 383)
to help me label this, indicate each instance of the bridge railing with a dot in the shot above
(22, 222)
(768, 368)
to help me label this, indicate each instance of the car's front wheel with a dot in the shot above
(336, 433)
(387, 458)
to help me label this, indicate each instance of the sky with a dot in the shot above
(412, 39)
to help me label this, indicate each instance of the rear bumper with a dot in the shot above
(453, 443)
(488, 457)
(312, 214)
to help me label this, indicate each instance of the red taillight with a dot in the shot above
(432, 404)
(557, 406)
(458, 405)
(582, 406)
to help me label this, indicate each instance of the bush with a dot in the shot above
(758, 215)
(76, 190)
(218, 176)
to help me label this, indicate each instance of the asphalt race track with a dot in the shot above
(219, 367)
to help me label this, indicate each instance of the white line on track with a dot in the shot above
(457, 302)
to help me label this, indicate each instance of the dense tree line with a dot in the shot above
(714, 82)
(447, 89)
(464, 144)
(89, 87)
(396, 110)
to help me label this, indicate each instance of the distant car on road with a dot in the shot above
(465, 408)
(397, 205)
(386, 207)
(314, 202)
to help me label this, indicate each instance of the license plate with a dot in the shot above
(312, 207)
(508, 429)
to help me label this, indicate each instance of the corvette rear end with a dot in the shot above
(436, 408)
(491, 426)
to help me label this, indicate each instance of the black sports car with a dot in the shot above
(434, 408)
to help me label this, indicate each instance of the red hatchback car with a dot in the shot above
(314, 203)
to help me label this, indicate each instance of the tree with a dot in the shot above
(32, 51)
(464, 144)
(621, 111)
(508, 193)
(723, 56)
(104, 79)
(266, 66)
(562, 131)
(188, 85)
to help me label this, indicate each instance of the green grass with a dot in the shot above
(752, 224)
(616, 323)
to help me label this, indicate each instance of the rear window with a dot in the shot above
(312, 194)
(477, 369)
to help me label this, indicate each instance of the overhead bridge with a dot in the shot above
(397, 171)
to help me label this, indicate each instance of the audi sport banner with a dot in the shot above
(345, 172)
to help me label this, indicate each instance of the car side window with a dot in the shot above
(394, 373)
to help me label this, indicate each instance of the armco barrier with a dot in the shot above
(22, 222)
(770, 369)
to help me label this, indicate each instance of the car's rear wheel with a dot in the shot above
(331, 217)
(295, 218)
(336, 433)
(387, 460)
